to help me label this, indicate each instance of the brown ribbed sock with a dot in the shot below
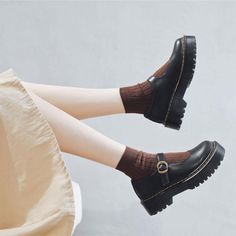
(138, 164)
(136, 98)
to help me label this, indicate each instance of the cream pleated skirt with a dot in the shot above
(36, 195)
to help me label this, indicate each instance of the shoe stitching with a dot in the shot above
(191, 175)
(180, 75)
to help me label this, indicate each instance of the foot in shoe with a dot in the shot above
(138, 164)
(156, 190)
(160, 97)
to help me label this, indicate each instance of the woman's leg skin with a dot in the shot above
(77, 138)
(81, 103)
(84, 103)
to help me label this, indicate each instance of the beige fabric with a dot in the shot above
(36, 196)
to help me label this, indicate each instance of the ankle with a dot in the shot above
(137, 98)
(138, 164)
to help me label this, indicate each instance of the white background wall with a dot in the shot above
(114, 44)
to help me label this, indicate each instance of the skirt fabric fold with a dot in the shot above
(36, 195)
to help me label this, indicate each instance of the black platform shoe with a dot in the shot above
(170, 83)
(157, 190)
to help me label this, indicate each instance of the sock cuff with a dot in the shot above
(136, 98)
(127, 159)
(136, 163)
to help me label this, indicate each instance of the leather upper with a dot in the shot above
(198, 154)
(149, 185)
(166, 84)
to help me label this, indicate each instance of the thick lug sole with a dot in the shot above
(176, 114)
(177, 104)
(162, 199)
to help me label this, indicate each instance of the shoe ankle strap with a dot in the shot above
(162, 168)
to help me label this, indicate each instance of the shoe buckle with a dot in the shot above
(162, 167)
(151, 78)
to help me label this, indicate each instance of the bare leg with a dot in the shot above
(80, 102)
(77, 138)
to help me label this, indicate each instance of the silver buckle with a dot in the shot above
(152, 77)
(160, 165)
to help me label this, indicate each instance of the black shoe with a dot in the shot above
(157, 190)
(170, 83)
